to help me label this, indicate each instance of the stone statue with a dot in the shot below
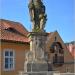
(37, 14)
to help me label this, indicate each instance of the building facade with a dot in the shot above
(15, 44)
(71, 47)
(60, 57)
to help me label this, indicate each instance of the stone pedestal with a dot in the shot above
(38, 45)
(37, 57)
(37, 67)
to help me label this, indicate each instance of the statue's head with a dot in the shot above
(37, 0)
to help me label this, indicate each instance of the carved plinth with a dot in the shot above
(38, 45)
(37, 67)
(36, 57)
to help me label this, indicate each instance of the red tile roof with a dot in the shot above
(6, 24)
(13, 31)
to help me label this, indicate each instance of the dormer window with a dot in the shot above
(13, 30)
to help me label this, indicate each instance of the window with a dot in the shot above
(9, 59)
(58, 60)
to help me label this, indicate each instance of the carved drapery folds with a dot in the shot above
(37, 14)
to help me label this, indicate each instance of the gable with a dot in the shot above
(56, 37)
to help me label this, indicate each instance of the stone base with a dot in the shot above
(37, 67)
(40, 73)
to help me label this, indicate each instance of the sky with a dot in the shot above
(60, 15)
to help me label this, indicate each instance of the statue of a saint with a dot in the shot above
(37, 13)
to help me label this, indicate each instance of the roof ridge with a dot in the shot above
(9, 21)
(15, 25)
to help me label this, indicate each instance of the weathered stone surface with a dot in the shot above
(37, 74)
(37, 14)
(38, 45)
(37, 67)
(36, 60)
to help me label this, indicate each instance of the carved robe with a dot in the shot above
(37, 13)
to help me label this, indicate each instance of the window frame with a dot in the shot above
(9, 57)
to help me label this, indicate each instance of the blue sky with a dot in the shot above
(60, 14)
